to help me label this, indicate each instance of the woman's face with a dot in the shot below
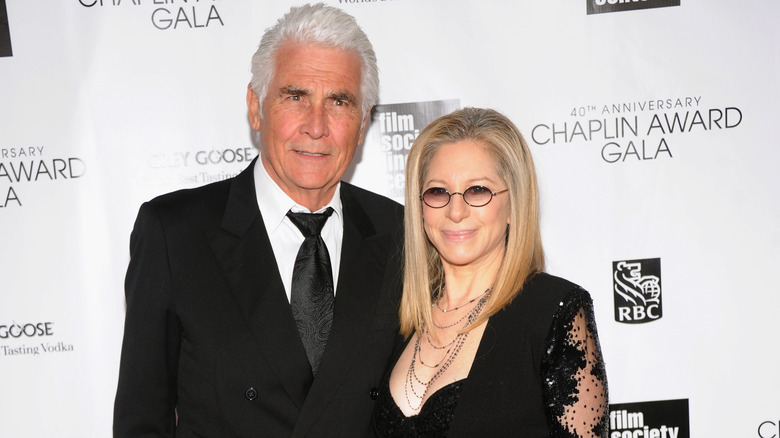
(466, 236)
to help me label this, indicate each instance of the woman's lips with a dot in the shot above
(457, 234)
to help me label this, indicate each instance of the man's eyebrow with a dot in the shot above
(294, 91)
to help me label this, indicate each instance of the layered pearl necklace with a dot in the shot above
(415, 387)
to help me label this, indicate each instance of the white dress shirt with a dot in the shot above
(285, 237)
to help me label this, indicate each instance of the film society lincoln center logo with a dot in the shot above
(637, 290)
(650, 419)
(394, 128)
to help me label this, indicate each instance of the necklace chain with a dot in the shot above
(466, 315)
(417, 386)
(438, 347)
(439, 295)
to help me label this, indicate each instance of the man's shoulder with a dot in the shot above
(199, 205)
(197, 196)
(364, 195)
(209, 195)
(374, 204)
(379, 209)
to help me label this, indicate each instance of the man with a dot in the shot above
(211, 346)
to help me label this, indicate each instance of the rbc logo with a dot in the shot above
(637, 290)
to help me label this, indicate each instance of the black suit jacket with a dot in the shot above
(209, 331)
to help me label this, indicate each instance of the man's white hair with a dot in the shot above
(321, 25)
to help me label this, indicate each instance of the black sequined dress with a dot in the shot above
(538, 372)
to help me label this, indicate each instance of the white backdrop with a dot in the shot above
(107, 103)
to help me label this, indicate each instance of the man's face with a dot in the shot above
(310, 122)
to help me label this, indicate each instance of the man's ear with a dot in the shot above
(254, 108)
(364, 126)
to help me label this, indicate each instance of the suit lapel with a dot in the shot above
(246, 258)
(363, 256)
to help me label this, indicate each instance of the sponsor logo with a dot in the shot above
(35, 350)
(603, 6)
(27, 165)
(202, 157)
(5, 32)
(199, 165)
(637, 290)
(394, 128)
(26, 330)
(167, 15)
(29, 331)
(656, 419)
(633, 131)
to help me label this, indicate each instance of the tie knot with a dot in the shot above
(310, 224)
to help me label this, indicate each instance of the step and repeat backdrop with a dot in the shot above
(653, 125)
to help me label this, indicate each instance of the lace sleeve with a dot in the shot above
(575, 381)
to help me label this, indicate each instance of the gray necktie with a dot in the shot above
(311, 297)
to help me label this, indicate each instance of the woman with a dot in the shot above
(495, 347)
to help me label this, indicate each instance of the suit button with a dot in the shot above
(373, 393)
(250, 393)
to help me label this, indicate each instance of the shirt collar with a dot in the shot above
(274, 203)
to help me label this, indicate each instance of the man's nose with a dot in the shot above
(316, 122)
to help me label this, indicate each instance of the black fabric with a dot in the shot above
(311, 295)
(211, 349)
(525, 375)
(433, 421)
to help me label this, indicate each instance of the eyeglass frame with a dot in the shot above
(450, 195)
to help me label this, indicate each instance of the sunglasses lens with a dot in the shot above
(477, 196)
(436, 197)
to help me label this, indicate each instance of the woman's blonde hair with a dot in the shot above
(524, 255)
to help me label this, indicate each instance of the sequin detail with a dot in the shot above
(573, 369)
